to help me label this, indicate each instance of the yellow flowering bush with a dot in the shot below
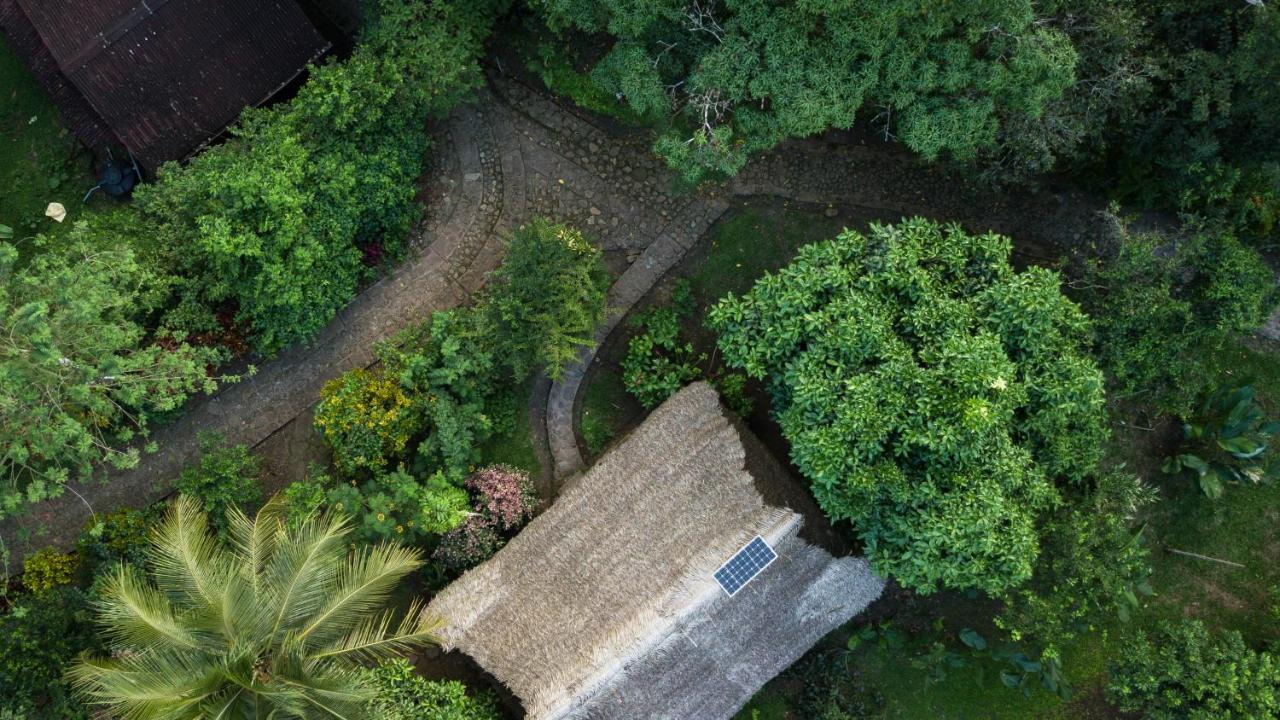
(367, 418)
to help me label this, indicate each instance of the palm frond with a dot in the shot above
(185, 557)
(147, 685)
(363, 584)
(332, 692)
(302, 571)
(139, 616)
(374, 640)
(255, 540)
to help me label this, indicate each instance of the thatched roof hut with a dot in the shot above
(605, 606)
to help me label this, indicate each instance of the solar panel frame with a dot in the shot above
(743, 566)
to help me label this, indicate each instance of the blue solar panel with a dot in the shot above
(746, 564)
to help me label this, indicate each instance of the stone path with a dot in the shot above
(493, 167)
(509, 156)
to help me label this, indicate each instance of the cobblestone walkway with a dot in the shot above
(509, 156)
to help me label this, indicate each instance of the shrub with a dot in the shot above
(931, 395)
(503, 500)
(503, 495)
(400, 694)
(397, 506)
(544, 302)
(1092, 567)
(468, 545)
(657, 364)
(1185, 673)
(367, 419)
(80, 377)
(37, 639)
(118, 537)
(1163, 306)
(1227, 442)
(272, 223)
(303, 499)
(47, 569)
(224, 477)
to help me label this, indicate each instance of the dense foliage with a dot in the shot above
(366, 419)
(38, 638)
(546, 299)
(932, 395)
(1185, 673)
(1227, 442)
(723, 80)
(1163, 305)
(503, 500)
(79, 377)
(224, 477)
(278, 622)
(660, 360)
(1092, 568)
(275, 225)
(47, 569)
(399, 694)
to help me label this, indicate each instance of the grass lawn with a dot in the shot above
(40, 161)
(606, 409)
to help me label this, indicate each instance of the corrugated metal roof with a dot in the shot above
(168, 75)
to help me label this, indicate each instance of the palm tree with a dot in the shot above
(277, 624)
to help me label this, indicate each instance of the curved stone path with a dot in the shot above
(509, 156)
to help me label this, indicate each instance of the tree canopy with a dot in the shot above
(743, 75)
(933, 396)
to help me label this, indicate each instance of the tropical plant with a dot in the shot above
(277, 623)
(1183, 672)
(398, 506)
(723, 80)
(225, 476)
(932, 396)
(79, 376)
(367, 419)
(1163, 306)
(47, 569)
(657, 363)
(38, 637)
(545, 301)
(401, 694)
(503, 500)
(119, 536)
(1227, 442)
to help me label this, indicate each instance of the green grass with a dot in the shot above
(515, 446)
(605, 411)
(40, 161)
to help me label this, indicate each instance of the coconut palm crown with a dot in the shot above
(274, 623)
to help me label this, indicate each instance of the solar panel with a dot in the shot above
(745, 565)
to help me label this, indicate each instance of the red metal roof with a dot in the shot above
(168, 75)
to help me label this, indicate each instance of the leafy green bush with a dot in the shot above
(38, 638)
(118, 537)
(80, 377)
(303, 499)
(224, 477)
(1092, 567)
(1227, 442)
(660, 361)
(367, 419)
(1163, 306)
(544, 302)
(400, 694)
(932, 395)
(1184, 673)
(277, 223)
(47, 569)
(657, 364)
(741, 77)
(397, 506)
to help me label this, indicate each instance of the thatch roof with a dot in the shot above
(605, 605)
